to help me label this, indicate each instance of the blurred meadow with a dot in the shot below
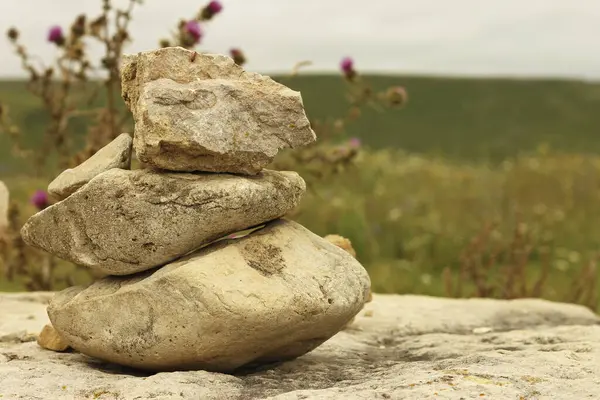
(475, 187)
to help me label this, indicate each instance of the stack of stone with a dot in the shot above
(179, 293)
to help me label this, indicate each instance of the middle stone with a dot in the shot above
(123, 222)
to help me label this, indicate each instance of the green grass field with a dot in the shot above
(471, 119)
(465, 119)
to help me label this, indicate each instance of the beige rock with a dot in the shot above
(341, 242)
(272, 295)
(410, 347)
(124, 221)
(203, 112)
(4, 205)
(116, 154)
(50, 339)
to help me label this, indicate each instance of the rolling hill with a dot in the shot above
(469, 119)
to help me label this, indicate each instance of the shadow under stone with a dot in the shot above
(115, 369)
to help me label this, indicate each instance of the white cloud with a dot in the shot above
(497, 37)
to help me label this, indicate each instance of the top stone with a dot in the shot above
(202, 112)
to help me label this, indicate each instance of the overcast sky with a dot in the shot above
(558, 38)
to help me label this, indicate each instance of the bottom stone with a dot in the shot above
(273, 295)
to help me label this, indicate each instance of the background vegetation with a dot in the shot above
(478, 187)
(464, 119)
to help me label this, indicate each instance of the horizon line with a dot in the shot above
(407, 74)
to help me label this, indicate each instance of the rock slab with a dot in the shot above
(123, 222)
(273, 295)
(400, 347)
(50, 339)
(202, 112)
(116, 154)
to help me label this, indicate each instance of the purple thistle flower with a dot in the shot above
(347, 65)
(193, 29)
(354, 143)
(40, 199)
(55, 35)
(215, 7)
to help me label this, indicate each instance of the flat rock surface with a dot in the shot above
(202, 112)
(399, 347)
(116, 154)
(123, 222)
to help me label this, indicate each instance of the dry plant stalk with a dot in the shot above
(584, 287)
(324, 159)
(500, 271)
(59, 86)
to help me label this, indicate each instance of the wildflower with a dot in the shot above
(13, 34)
(354, 143)
(192, 28)
(76, 50)
(40, 199)
(338, 124)
(78, 27)
(108, 62)
(346, 64)
(238, 56)
(397, 96)
(121, 36)
(354, 113)
(55, 35)
(211, 9)
(97, 26)
(347, 67)
(215, 7)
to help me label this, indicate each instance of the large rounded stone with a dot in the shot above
(273, 295)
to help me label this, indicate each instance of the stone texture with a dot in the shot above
(116, 154)
(400, 347)
(202, 112)
(50, 339)
(4, 205)
(272, 295)
(124, 221)
(345, 244)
